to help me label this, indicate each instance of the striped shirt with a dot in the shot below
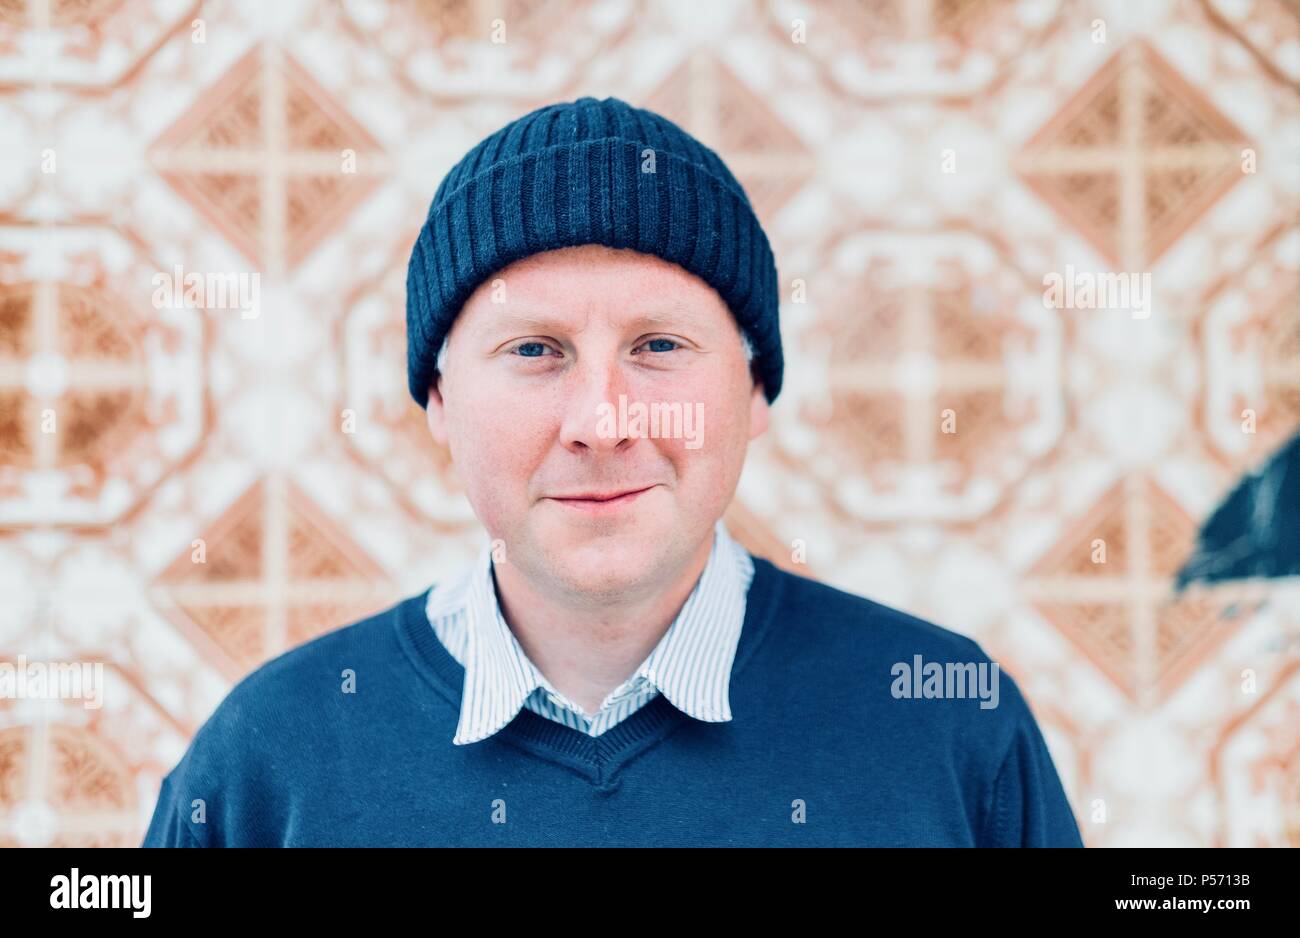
(691, 664)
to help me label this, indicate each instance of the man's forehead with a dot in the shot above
(623, 312)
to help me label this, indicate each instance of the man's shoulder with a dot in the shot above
(834, 615)
(293, 720)
(876, 656)
(299, 687)
(364, 638)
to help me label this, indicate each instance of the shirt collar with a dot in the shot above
(691, 664)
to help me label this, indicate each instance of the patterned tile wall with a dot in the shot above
(920, 167)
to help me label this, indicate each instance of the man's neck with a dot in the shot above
(586, 651)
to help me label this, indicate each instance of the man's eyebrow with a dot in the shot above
(668, 316)
(521, 322)
(661, 316)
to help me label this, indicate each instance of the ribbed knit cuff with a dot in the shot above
(591, 191)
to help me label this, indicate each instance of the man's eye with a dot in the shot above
(531, 349)
(668, 341)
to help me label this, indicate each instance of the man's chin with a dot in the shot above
(602, 562)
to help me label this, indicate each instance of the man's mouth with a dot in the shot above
(601, 502)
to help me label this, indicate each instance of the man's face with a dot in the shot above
(530, 392)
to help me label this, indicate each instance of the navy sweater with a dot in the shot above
(821, 749)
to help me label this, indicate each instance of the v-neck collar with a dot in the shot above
(596, 758)
(690, 664)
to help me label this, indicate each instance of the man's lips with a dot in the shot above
(601, 503)
(600, 496)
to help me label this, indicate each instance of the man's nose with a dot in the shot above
(592, 405)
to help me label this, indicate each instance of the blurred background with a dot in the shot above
(188, 489)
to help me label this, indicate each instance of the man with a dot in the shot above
(614, 669)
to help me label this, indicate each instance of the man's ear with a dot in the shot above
(758, 410)
(435, 414)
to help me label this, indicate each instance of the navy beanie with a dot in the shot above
(589, 172)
